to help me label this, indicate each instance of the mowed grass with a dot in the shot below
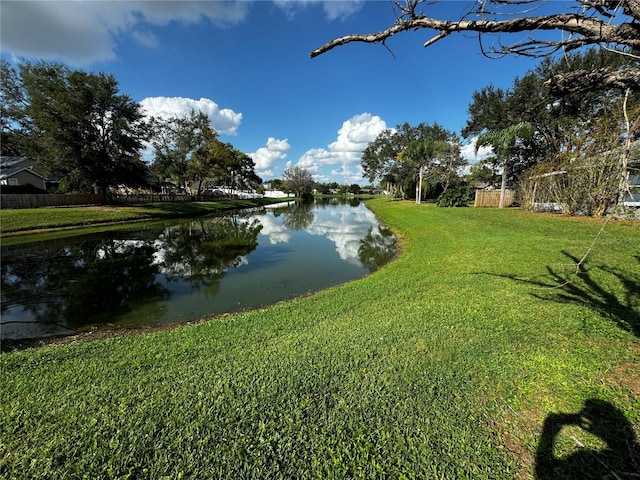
(443, 364)
(17, 220)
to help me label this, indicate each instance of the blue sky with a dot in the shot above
(248, 66)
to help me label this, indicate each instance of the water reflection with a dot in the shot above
(159, 273)
(377, 248)
(201, 251)
(298, 216)
(87, 280)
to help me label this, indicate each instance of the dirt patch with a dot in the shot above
(627, 375)
(521, 451)
(523, 457)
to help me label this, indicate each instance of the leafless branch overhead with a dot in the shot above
(611, 23)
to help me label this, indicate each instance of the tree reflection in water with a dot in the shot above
(202, 250)
(298, 216)
(82, 283)
(95, 280)
(377, 248)
(154, 273)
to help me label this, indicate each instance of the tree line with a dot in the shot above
(83, 132)
(532, 133)
(566, 132)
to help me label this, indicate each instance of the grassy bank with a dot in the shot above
(452, 362)
(12, 221)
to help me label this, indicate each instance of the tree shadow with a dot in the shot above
(582, 288)
(618, 459)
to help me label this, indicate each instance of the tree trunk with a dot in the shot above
(419, 186)
(503, 187)
(624, 174)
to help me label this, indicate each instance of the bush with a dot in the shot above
(455, 197)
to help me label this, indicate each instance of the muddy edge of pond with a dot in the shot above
(10, 345)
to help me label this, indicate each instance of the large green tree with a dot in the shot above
(240, 172)
(379, 158)
(188, 151)
(557, 121)
(15, 127)
(395, 156)
(75, 124)
(299, 180)
(178, 140)
(503, 143)
(421, 153)
(494, 109)
(530, 100)
(575, 133)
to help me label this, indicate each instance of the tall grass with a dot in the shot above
(443, 364)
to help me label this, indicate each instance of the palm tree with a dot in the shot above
(421, 152)
(503, 142)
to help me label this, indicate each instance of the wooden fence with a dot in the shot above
(21, 200)
(17, 200)
(491, 198)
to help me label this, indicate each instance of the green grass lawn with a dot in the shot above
(461, 359)
(17, 220)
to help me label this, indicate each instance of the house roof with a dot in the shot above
(10, 166)
(6, 162)
(11, 171)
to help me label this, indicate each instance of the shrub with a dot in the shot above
(457, 196)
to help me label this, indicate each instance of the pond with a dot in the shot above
(158, 273)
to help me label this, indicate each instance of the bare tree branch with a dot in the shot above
(591, 30)
(589, 80)
(613, 24)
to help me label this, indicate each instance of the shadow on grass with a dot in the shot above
(619, 458)
(621, 305)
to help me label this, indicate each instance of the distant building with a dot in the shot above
(17, 171)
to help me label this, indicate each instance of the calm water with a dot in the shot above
(168, 272)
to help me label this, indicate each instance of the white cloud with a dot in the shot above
(345, 229)
(348, 176)
(468, 152)
(316, 157)
(273, 228)
(222, 120)
(266, 156)
(145, 39)
(72, 31)
(341, 9)
(333, 9)
(83, 32)
(353, 138)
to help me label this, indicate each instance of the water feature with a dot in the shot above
(166, 272)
